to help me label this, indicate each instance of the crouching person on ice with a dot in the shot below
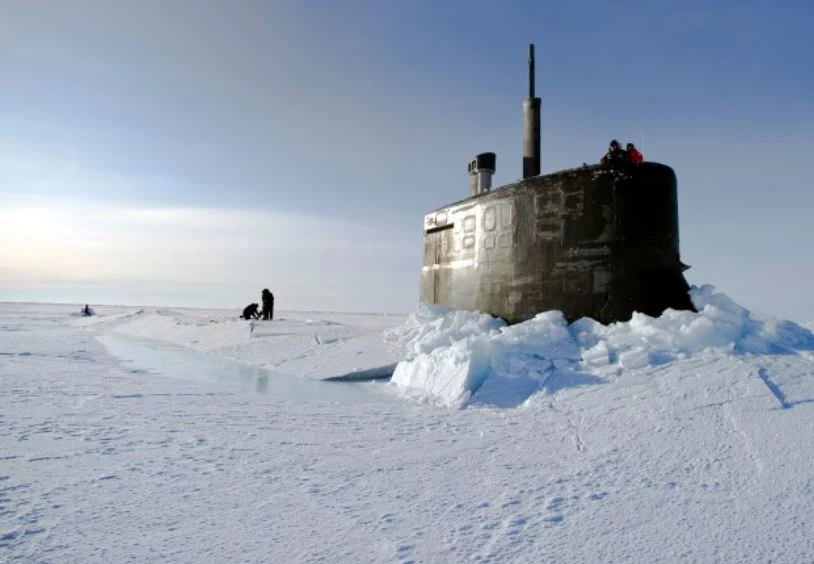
(250, 312)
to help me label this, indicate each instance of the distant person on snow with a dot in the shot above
(250, 312)
(634, 154)
(86, 310)
(616, 157)
(268, 304)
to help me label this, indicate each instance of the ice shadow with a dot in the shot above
(384, 372)
(777, 391)
(508, 392)
(784, 337)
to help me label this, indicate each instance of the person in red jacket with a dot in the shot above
(634, 154)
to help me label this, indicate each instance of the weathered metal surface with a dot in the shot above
(531, 126)
(589, 242)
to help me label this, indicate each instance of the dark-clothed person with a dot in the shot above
(634, 154)
(250, 311)
(268, 304)
(616, 157)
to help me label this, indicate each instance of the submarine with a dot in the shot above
(594, 241)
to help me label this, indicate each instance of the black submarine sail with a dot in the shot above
(591, 241)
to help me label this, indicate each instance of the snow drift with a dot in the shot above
(457, 357)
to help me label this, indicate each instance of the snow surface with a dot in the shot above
(453, 353)
(191, 436)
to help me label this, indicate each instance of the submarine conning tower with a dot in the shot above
(591, 242)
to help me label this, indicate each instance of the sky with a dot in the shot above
(191, 153)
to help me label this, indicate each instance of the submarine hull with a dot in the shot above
(590, 242)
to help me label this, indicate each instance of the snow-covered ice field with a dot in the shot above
(181, 435)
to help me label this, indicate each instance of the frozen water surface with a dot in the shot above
(174, 361)
(682, 438)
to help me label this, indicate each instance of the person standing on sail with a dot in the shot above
(634, 154)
